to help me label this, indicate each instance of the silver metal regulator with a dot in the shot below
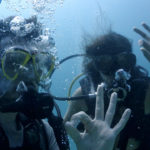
(120, 85)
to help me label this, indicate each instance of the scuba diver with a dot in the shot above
(109, 60)
(26, 64)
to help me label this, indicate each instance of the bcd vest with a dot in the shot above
(35, 137)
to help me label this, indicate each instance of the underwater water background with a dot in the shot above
(72, 20)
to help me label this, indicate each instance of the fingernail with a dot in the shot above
(140, 42)
(142, 49)
(115, 94)
(134, 28)
(102, 84)
(128, 110)
(143, 23)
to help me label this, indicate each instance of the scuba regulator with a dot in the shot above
(120, 85)
(30, 102)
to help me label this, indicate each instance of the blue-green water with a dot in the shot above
(72, 19)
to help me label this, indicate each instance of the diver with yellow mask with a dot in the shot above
(26, 63)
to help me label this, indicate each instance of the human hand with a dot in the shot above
(98, 134)
(145, 43)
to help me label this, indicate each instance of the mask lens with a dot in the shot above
(44, 64)
(12, 63)
(104, 63)
(126, 60)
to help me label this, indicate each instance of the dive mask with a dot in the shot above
(109, 64)
(16, 60)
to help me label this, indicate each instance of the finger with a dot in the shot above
(146, 53)
(73, 132)
(99, 110)
(121, 124)
(144, 44)
(141, 33)
(84, 118)
(111, 109)
(146, 26)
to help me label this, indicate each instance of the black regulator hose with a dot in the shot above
(32, 104)
(65, 59)
(89, 96)
(71, 56)
(71, 98)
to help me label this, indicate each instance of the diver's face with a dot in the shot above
(13, 60)
(109, 64)
(11, 66)
(25, 62)
(19, 66)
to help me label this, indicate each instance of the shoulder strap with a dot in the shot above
(59, 131)
(34, 134)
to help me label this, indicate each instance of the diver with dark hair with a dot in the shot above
(109, 60)
(27, 64)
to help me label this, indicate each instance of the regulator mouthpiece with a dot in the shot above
(120, 85)
(122, 75)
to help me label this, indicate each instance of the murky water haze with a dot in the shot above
(71, 20)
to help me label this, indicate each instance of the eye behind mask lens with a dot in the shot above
(106, 64)
(126, 61)
(12, 62)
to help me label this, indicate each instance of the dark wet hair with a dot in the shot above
(5, 30)
(109, 44)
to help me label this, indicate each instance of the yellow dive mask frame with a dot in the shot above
(28, 57)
